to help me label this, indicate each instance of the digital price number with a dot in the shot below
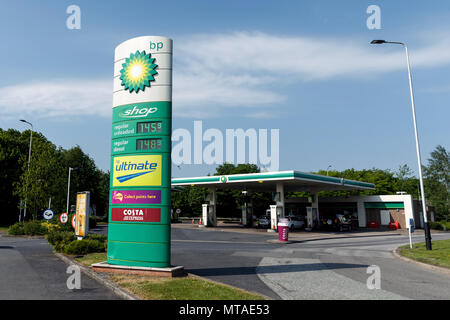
(149, 144)
(149, 127)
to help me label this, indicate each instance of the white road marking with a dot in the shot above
(309, 279)
(220, 241)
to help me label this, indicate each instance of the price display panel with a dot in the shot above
(137, 144)
(149, 144)
(153, 127)
(149, 127)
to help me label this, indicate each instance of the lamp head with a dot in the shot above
(25, 121)
(378, 41)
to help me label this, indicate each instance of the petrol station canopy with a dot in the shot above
(267, 181)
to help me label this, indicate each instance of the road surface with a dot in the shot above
(30, 270)
(333, 268)
(326, 266)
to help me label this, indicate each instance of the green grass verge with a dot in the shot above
(162, 288)
(91, 258)
(187, 288)
(439, 256)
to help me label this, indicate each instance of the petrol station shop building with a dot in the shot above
(365, 209)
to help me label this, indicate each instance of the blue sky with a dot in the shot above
(304, 67)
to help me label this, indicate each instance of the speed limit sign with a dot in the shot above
(73, 220)
(64, 218)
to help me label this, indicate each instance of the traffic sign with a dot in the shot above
(64, 218)
(73, 220)
(411, 225)
(410, 231)
(48, 214)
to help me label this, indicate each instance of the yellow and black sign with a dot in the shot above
(82, 214)
(134, 171)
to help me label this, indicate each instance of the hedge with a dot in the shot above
(441, 225)
(84, 246)
(66, 242)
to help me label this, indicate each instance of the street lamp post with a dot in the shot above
(29, 159)
(68, 189)
(419, 162)
(328, 168)
(34, 182)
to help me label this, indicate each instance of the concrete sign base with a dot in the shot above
(145, 271)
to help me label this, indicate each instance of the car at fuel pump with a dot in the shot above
(295, 222)
(264, 221)
(340, 223)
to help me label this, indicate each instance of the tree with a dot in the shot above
(406, 181)
(403, 173)
(42, 180)
(46, 177)
(228, 201)
(13, 147)
(87, 177)
(384, 181)
(189, 200)
(437, 181)
(229, 168)
(102, 199)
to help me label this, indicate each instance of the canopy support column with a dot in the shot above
(280, 200)
(362, 223)
(212, 218)
(209, 218)
(277, 210)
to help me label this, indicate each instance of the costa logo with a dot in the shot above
(133, 212)
(136, 214)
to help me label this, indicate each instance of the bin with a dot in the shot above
(394, 225)
(283, 229)
(373, 224)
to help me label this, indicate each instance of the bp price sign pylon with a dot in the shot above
(139, 214)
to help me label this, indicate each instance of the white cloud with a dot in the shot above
(59, 98)
(220, 74)
(210, 95)
(301, 58)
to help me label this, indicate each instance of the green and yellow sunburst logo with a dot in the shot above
(137, 72)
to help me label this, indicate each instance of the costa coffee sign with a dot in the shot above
(136, 214)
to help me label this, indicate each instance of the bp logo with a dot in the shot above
(137, 72)
(223, 179)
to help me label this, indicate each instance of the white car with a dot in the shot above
(264, 222)
(295, 222)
